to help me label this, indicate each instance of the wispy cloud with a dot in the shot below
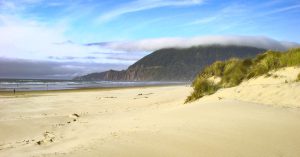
(239, 15)
(15, 6)
(140, 5)
(204, 20)
(283, 9)
(223, 19)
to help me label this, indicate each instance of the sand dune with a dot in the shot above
(278, 89)
(153, 121)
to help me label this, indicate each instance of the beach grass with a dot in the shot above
(234, 71)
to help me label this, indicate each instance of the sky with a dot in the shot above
(58, 39)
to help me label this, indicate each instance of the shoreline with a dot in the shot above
(85, 89)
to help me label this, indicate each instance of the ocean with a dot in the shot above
(44, 85)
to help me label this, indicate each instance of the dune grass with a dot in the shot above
(232, 72)
(298, 78)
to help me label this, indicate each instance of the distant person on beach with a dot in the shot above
(14, 91)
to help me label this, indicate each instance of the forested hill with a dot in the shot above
(174, 64)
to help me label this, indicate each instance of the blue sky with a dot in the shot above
(95, 20)
(57, 31)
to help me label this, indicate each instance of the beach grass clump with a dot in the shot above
(231, 72)
(298, 78)
(292, 58)
(202, 87)
(264, 63)
(234, 71)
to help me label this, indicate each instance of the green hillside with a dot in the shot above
(184, 64)
(174, 64)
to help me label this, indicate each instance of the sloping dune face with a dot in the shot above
(153, 121)
(277, 88)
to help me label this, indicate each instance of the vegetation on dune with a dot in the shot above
(298, 78)
(232, 72)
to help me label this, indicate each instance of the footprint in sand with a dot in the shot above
(114, 134)
(6, 146)
(110, 97)
(15, 144)
(49, 137)
(142, 97)
(74, 116)
(141, 94)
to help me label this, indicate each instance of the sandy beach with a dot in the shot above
(149, 78)
(254, 119)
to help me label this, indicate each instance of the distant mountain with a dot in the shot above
(174, 64)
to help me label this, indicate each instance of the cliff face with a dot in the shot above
(110, 75)
(174, 64)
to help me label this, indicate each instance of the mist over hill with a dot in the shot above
(174, 64)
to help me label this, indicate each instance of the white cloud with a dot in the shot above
(29, 39)
(159, 43)
(140, 5)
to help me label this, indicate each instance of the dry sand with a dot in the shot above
(153, 121)
(279, 89)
